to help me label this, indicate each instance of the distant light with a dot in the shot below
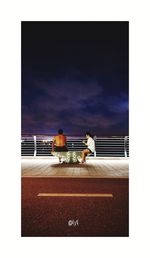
(45, 141)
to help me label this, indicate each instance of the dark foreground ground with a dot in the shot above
(74, 216)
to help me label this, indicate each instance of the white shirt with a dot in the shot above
(91, 144)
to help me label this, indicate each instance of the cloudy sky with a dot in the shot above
(75, 77)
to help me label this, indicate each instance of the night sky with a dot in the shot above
(75, 77)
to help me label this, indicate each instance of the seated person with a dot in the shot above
(59, 143)
(90, 143)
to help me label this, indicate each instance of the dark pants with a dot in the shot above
(60, 149)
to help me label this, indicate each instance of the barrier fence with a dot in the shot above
(114, 146)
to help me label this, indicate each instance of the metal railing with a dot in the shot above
(114, 146)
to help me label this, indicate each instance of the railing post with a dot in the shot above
(125, 146)
(94, 138)
(34, 146)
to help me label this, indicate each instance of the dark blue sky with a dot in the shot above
(75, 77)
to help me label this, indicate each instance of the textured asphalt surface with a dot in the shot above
(74, 216)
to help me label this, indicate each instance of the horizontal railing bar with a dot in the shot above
(73, 138)
(109, 144)
(74, 147)
(80, 139)
(101, 141)
(109, 152)
(82, 145)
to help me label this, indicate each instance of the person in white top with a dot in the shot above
(90, 143)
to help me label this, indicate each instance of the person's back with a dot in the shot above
(91, 144)
(59, 142)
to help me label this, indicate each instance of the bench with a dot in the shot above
(68, 156)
